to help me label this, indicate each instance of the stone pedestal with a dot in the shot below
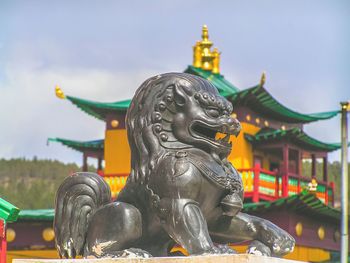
(240, 258)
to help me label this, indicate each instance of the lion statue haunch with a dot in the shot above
(181, 189)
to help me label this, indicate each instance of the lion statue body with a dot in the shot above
(181, 189)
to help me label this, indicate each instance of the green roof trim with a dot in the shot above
(294, 135)
(99, 109)
(261, 101)
(224, 87)
(8, 212)
(304, 202)
(80, 145)
(37, 215)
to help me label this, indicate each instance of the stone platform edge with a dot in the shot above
(239, 258)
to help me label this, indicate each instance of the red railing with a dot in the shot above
(260, 184)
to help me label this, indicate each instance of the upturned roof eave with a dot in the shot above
(99, 110)
(261, 101)
(81, 146)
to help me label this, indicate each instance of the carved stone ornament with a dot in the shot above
(181, 189)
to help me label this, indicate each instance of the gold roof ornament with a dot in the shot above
(203, 57)
(59, 92)
(262, 79)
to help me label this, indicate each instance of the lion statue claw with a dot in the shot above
(181, 189)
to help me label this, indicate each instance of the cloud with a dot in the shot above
(104, 52)
(31, 112)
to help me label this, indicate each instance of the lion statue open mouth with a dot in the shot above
(181, 189)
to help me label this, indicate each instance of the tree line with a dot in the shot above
(32, 183)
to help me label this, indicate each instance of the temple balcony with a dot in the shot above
(264, 185)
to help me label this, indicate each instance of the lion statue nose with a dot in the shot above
(234, 126)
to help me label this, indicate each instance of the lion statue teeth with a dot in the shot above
(181, 189)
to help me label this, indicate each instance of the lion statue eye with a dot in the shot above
(213, 112)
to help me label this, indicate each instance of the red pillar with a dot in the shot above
(325, 169)
(3, 243)
(299, 171)
(285, 171)
(255, 198)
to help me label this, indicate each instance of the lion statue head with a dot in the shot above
(176, 111)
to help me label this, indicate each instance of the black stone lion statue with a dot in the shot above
(181, 189)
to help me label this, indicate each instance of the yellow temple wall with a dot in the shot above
(242, 152)
(117, 152)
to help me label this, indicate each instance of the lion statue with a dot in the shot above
(181, 189)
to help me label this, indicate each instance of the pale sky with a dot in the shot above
(103, 50)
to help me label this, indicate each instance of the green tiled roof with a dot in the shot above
(256, 98)
(8, 212)
(262, 102)
(224, 87)
(99, 109)
(294, 135)
(80, 145)
(37, 215)
(303, 203)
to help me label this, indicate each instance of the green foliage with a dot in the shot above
(32, 184)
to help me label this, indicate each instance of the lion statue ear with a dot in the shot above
(181, 93)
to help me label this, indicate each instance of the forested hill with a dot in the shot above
(32, 184)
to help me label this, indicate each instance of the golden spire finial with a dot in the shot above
(59, 92)
(262, 79)
(205, 33)
(203, 57)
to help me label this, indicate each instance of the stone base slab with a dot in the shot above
(240, 258)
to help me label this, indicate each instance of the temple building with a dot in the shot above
(268, 153)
